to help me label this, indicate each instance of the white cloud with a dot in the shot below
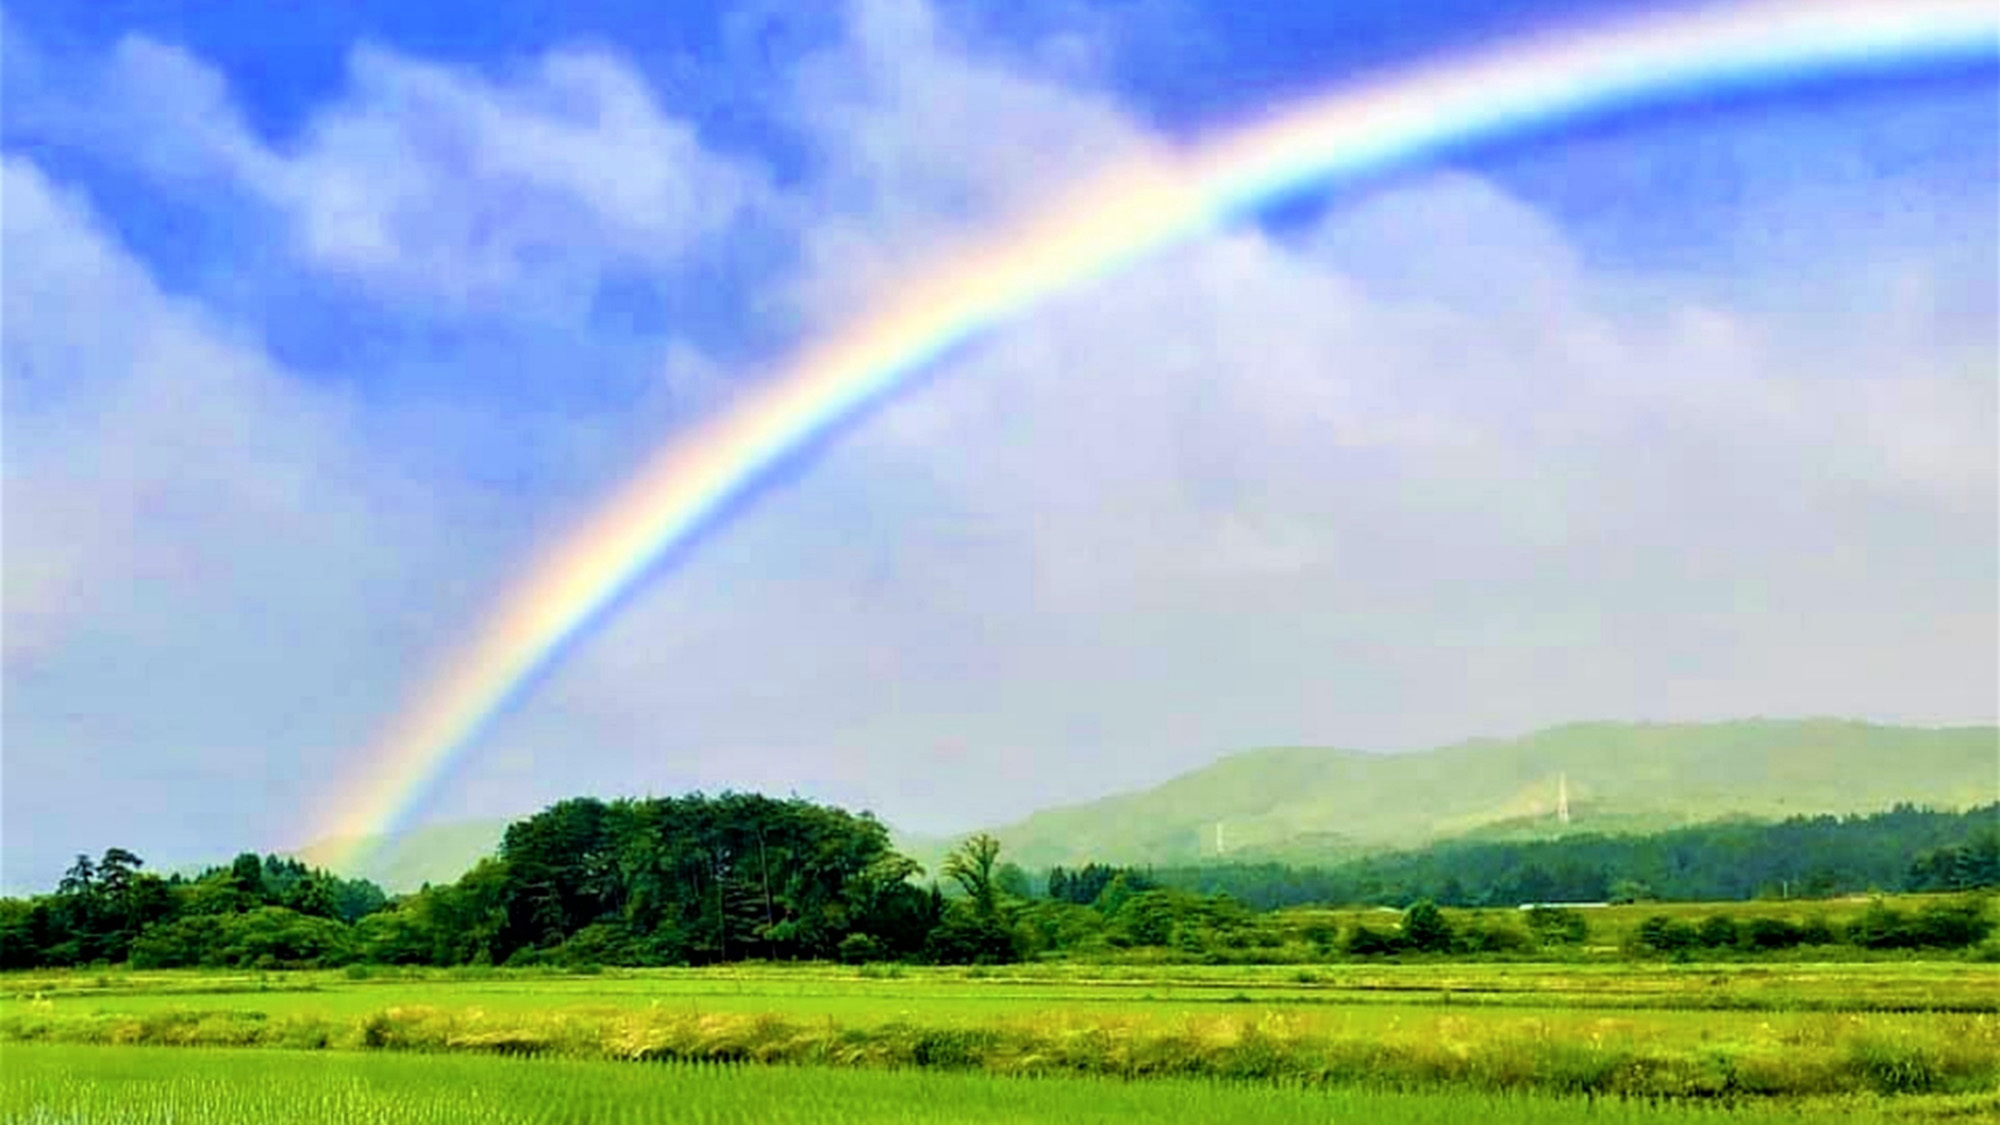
(919, 142)
(449, 182)
(1256, 492)
(1421, 473)
(211, 582)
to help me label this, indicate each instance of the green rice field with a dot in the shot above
(1388, 1042)
(45, 1085)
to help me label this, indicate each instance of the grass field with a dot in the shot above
(44, 1085)
(1718, 1032)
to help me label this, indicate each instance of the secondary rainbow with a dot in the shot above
(1532, 86)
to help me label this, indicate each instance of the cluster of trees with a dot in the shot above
(1424, 928)
(1087, 883)
(1427, 929)
(1949, 924)
(634, 882)
(695, 880)
(1904, 849)
(688, 880)
(255, 909)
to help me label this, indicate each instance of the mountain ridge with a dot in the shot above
(1314, 805)
(1321, 805)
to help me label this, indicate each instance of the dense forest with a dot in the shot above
(1904, 849)
(111, 910)
(698, 880)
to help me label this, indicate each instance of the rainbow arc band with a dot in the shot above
(1532, 87)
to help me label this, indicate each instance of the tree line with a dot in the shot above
(1903, 849)
(698, 880)
(110, 910)
(689, 880)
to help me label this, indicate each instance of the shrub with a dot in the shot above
(1365, 941)
(1425, 928)
(1483, 936)
(964, 938)
(1772, 933)
(1881, 926)
(1951, 924)
(857, 949)
(1553, 925)
(1716, 931)
(1662, 934)
(600, 943)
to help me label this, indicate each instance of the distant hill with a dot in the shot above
(1318, 806)
(1310, 805)
(438, 853)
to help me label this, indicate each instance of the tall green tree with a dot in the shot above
(971, 866)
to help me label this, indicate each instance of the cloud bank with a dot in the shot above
(1423, 468)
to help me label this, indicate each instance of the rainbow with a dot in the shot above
(1533, 86)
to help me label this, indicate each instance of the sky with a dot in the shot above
(321, 319)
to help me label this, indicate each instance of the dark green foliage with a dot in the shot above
(1905, 848)
(1366, 941)
(1662, 934)
(1772, 933)
(1088, 883)
(1717, 931)
(1881, 926)
(1960, 867)
(695, 880)
(1555, 926)
(104, 909)
(1949, 924)
(698, 879)
(971, 866)
(859, 949)
(1425, 928)
(1485, 936)
(966, 937)
(1055, 926)
(1816, 930)
(1013, 881)
(265, 938)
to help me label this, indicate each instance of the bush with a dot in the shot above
(1716, 931)
(859, 949)
(1483, 936)
(1662, 934)
(600, 943)
(1772, 933)
(1881, 926)
(1553, 925)
(1425, 928)
(1952, 925)
(1363, 941)
(964, 938)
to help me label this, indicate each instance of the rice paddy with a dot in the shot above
(1386, 1042)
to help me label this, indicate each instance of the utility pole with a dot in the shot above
(1562, 798)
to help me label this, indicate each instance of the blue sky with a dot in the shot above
(322, 316)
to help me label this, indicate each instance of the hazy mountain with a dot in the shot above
(437, 853)
(1315, 805)
(1321, 805)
